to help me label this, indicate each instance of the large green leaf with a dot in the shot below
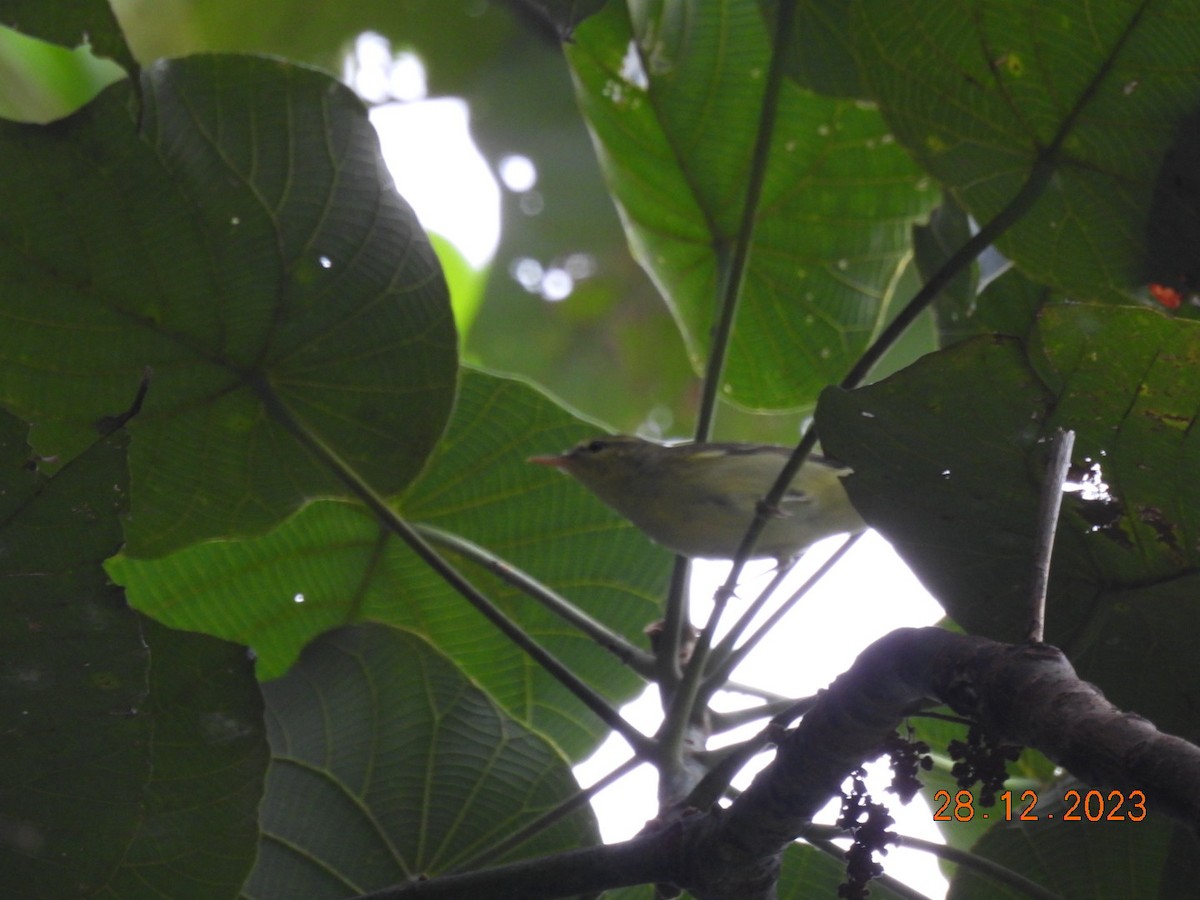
(245, 244)
(948, 458)
(319, 33)
(673, 95)
(388, 764)
(611, 348)
(333, 563)
(134, 756)
(978, 91)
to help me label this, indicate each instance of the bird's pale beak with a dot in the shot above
(556, 462)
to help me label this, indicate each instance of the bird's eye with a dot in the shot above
(596, 446)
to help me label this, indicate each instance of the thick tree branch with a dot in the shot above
(1022, 694)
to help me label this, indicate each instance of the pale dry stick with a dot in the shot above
(1062, 444)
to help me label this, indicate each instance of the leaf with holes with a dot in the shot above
(949, 455)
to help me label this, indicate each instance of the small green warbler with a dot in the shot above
(699, 499)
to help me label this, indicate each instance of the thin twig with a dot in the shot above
(815, 838)
(724, 764)
(734, 273)
(1061, 446)
(637, 659)
(753, 690)
(728, 658)
(675, 616)
(786, 707)
(723, 649)
(981, 865)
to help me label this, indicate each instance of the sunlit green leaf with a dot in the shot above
(70, 25)
(333, 563)
(40, 82)
(673, 97)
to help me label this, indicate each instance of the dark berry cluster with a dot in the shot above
(907, 756)
(869, 823)
(979, 761)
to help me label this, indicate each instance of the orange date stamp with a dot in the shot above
(1088, 806)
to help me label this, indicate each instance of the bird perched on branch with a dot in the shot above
(699, 499)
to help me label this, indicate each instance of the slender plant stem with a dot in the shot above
(358, 486)
(721, 650)
(751, 690)
(733, 273)
(682, 705)
(730, 658)
(1051, 502)
(724, 764)
(981, 865)
(829, 848)
(675, 618)
(637, 659)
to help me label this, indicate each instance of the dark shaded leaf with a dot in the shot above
(412, 768)
(250, 250)
(948, 459)
(821, 52)
(564, 15)
(974, 94)
(133, 756)
(1118, 859)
